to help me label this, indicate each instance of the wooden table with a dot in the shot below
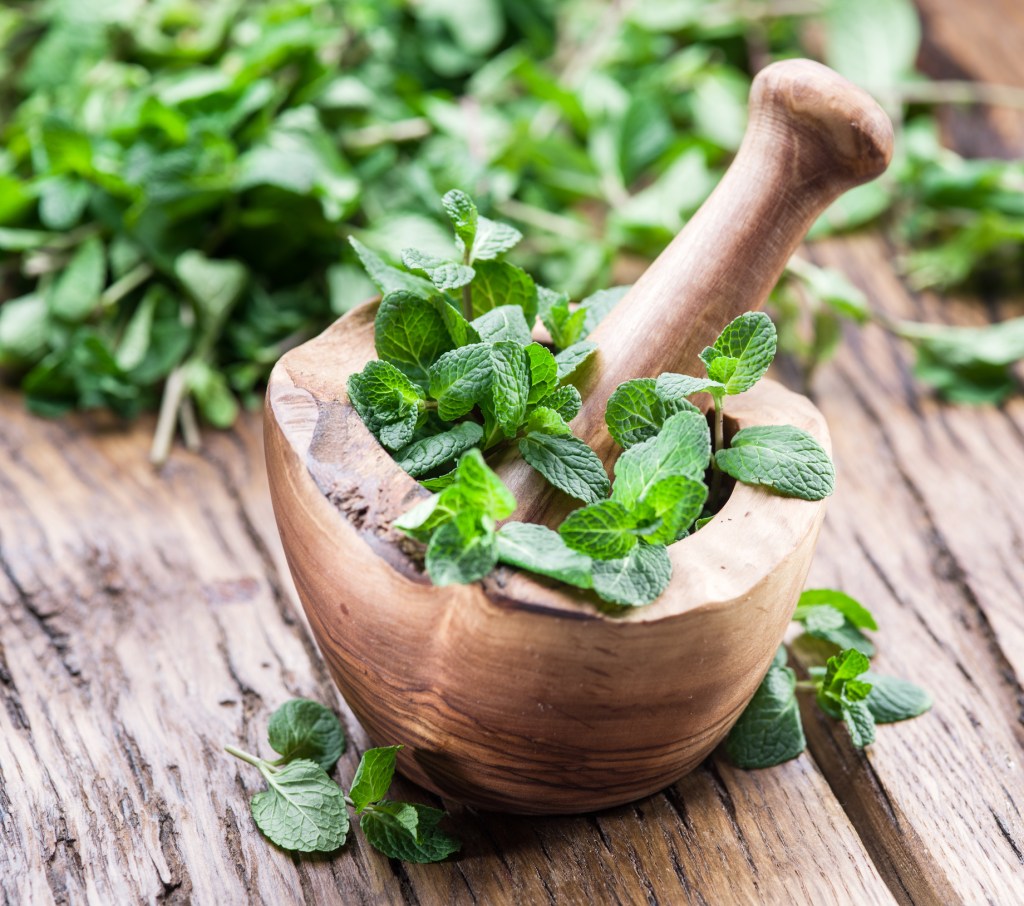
(148, 618)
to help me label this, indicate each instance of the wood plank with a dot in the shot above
(147, 620)
(926, 529)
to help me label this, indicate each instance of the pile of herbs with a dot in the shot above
(177, 179)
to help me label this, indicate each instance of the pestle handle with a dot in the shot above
(811, 136)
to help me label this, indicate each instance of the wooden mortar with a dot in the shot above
(516, 693)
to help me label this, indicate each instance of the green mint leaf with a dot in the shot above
(460, 379)
(443, 274)
(430, 453)
(543, 371)
(846, 665)
(504, 323)
(566, 401)
(832, 288)
(636, 412)
(388, 279)
(669, 508)
(387, 401)
(493, 238)
(499, 283)
(565, 324)
(602, 530)
(849, 607)
(781, 657)
(421, 521)
(892, 699)
(546, 421)
(510, 385)
(440, 482)
(568, 464)
(822, 621)
(683, 447)
(373, 777)
(780, 457)
(672, 386)
(461, 551)
(570, 358)
(215, 286)
(386, 827)
(769, 730)
(540, 550)
(410, 333)
(75, 293)
(485, 492)
(636, 579)
(860, 723)
(597, 305)
(463, 214)
(742, 352)
(301, 728)
(302, 809)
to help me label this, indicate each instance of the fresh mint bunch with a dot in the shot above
(770, 730)
(304, 810)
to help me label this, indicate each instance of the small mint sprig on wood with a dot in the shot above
(304, 810)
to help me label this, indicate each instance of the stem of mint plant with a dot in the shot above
(719, 443)
(467, 297)
(245, 756)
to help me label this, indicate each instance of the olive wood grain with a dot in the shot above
(811, 136)
(517, 694)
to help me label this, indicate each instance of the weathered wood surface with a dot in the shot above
(148, 618)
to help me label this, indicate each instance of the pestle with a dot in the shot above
(811, 136)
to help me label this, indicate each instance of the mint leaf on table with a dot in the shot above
(302, 808)
(499, 283)
(849, 607)
(540, 550)
(568, 464)
(373, 777)
(305, 729)
(669, 508)
(769, 730)
(572, 357)
(602, 530)
(506, 322)
(462, 550)
(387, 827)
(410, 333)
(543, 371)
(892, 699)
(860, 722)
(781, 457)
(742, 353)
(460, 379)
(842, 694)
(636, 579)
(566, 401)
(636, 411)
(835, 617)
(441, 273)
(429, 453)
(682, 447)
(387, 278)
(75, 293)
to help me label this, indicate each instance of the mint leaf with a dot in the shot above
(742, 352)
(75, 293)
(386, 826)
(499, 283)
(428, 515)
(565, 324)
(482, 488)
(373, 777)
(510, 385)
(302, 809)
(566, 401)
(430, 453)
(506, 322)
(672, 386)
(769, 730)
(860, 723)
(636, 579)
(461, 551)
(440, 482)
(669, 509)
(636, 412)
(387, 401)
(459, 329)
(215, 285)
(567, 463)
(443, 274)
(571, 358)
(301, 728)
(822, 621)
(463, 214)
(598, 304)
(410, 333)
(388, 279)
(540, 550)
(493, 238)
(460, 379)
(602, 530)
(781, 457)
(683, 447)
(849, 607)
(892, 699)
(543, 372)
(842, 667)
(546, 421)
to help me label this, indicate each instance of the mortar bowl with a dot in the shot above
(517, 694)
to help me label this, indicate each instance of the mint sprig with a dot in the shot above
(304, 810)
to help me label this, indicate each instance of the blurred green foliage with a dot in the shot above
(177, 177)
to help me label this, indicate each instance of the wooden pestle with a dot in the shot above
(811, 136)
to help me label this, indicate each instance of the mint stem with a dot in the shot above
(245, 756)
(716, 473)
(806, 685)
(467, 298)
